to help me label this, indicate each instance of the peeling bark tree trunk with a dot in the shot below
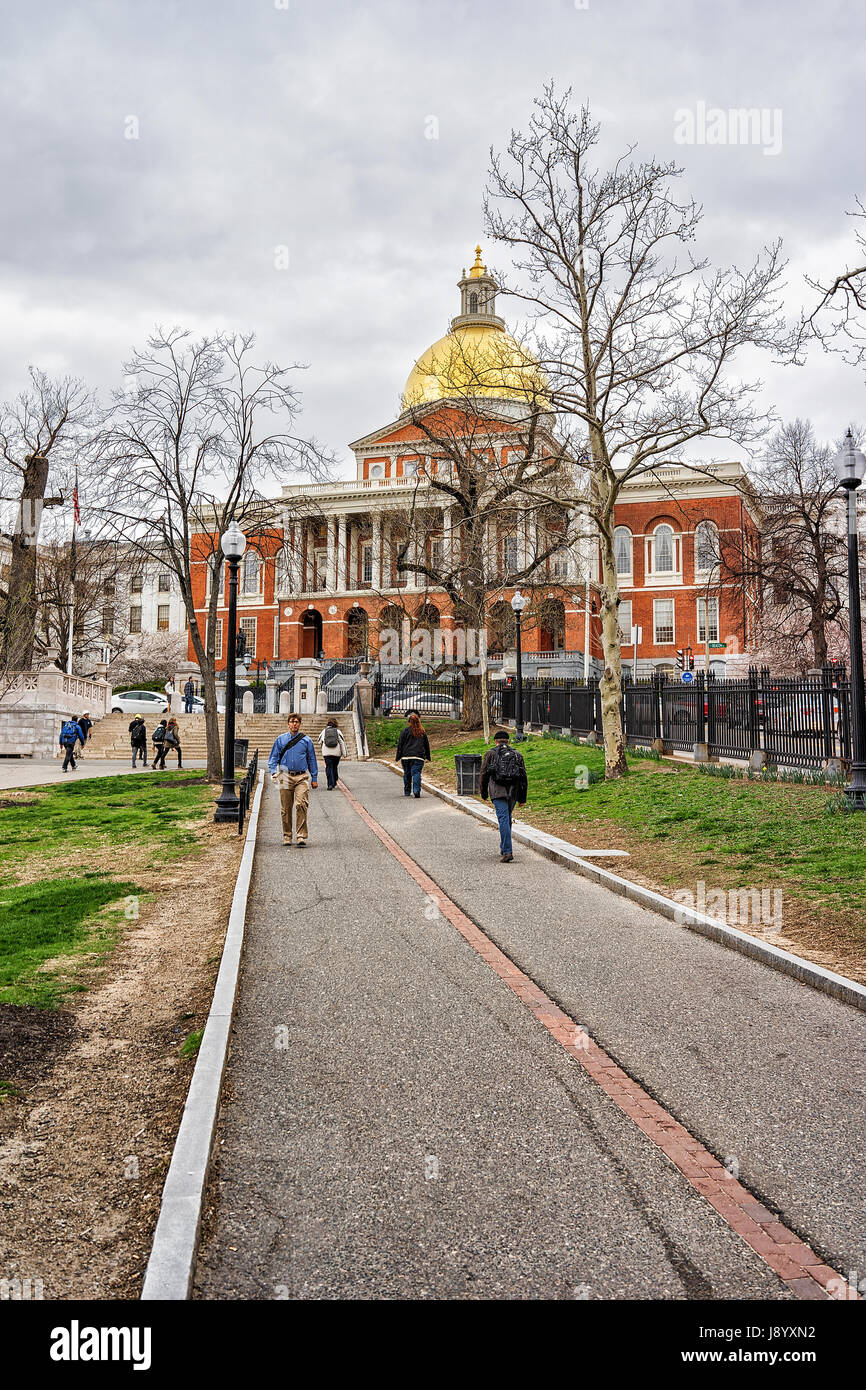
(21, 601)
(615, 764)
(472, 701)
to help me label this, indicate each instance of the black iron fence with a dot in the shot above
(794, 721)
(245, 791)
(428, 694)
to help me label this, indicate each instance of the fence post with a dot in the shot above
(702, 749)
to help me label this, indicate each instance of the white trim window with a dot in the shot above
(377, 470)
(366, 562)
(707, 551)
(252, 576)
(622, 551)
(135, 618)
(664, 556)
(248, 628)
(664, 631)
(163, 617)
(705, 607)
(218, 640)
(276, 637)
(624, 614)
(510, 554)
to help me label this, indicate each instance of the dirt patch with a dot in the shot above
(89, 1136)
(7, 801)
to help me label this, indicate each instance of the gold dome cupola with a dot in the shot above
(477, 297)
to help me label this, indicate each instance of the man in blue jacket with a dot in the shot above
(292, 759)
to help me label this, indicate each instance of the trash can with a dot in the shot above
(468, 767)
(242, 748)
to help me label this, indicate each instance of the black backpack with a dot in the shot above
(507, 766)
(158, 735)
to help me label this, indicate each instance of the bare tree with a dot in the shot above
(637, 345)
(839, 318)
(799, 568)
(40, 430)
(191, 440)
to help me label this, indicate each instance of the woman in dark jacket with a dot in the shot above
(172, 740)
(413, 751)
(138, 739)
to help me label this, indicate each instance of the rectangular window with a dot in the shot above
(136, 584)
(252, 573)
(135, 620)
(218, 640)
(559, 564)
(164, 583)
(367, 562)
(321, 570)
(108, 588)
(163, 614)
(107, 620)
(663, 620)
(437, 554)
(248, 628)
(276, 636)
(708, 608)
(509, 554)
(625, 622)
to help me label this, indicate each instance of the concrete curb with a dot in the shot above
(171, 1265)
(839, 986)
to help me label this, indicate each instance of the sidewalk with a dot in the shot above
(397, 1124)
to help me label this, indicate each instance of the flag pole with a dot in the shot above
(75, 517)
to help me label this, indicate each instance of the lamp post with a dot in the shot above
(518, 603)
(850, 466)
(233, 545)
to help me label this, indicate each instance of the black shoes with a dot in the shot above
(507, 858)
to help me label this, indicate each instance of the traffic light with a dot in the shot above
(690, 659)
(680, 659)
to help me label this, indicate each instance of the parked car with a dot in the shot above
(139, 702)
(424, 701)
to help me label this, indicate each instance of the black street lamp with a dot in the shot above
(233, 545)
(518, 603)
(850, 465)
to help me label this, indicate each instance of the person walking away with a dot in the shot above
(138, 739)
(85, 724)
(413, 751)
(188, 696)
(70, 735)
(503, 777)
(293, 766)
(160, 748)
(334, 748)
(172, 740)
(169, 691)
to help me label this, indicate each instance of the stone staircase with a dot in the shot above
(110, 736)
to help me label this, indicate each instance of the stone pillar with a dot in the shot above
(285, 702)
(340, 586)
(248, 701)
(386, 555)
(307, 544)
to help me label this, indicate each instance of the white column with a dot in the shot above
(447, 552)
(413, 553)
(307, 543)
(377, 552)
(340, 586)
(332, 554)
(352, 553)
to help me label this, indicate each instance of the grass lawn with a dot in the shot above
(72, 858)
(681, 827)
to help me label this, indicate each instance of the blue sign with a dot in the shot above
(687, 677)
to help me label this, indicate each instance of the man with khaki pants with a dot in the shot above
(293, 766)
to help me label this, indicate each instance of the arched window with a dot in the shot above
(473, 303)
(622, 549)
(664, 550)
(706, 546)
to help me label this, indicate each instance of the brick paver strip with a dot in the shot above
(796, 1264)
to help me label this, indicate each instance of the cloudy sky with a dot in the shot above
(305, 124)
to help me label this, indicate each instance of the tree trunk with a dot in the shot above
(485, 701)
(472, 702)
(211, 717)
(21, 600)
(615, 764)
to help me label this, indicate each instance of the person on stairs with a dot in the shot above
(333, 747)
(138, 739)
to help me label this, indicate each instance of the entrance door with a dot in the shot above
(311, 634)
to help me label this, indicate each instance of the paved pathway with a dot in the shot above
(398, 1124)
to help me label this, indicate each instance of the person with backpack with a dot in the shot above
(334, 748)
(293, 766)
(188, 696)
(157, 738)
(138, 739)
(172, 740)
(70, 735)
(503, 777)
(413, 751)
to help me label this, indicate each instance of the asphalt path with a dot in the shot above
(396, 1124)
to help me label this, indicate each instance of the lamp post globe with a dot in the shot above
(518, 603)
(233, 543)
(850, 468)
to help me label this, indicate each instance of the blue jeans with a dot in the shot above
(504, 808)
(412, 769)
(187, 704)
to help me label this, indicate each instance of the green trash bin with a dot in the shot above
(468, 767)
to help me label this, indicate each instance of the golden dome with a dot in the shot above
(476, 360)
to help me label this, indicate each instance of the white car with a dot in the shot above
(139, 702)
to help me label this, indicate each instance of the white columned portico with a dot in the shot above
(340, 585)
(377, 552)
